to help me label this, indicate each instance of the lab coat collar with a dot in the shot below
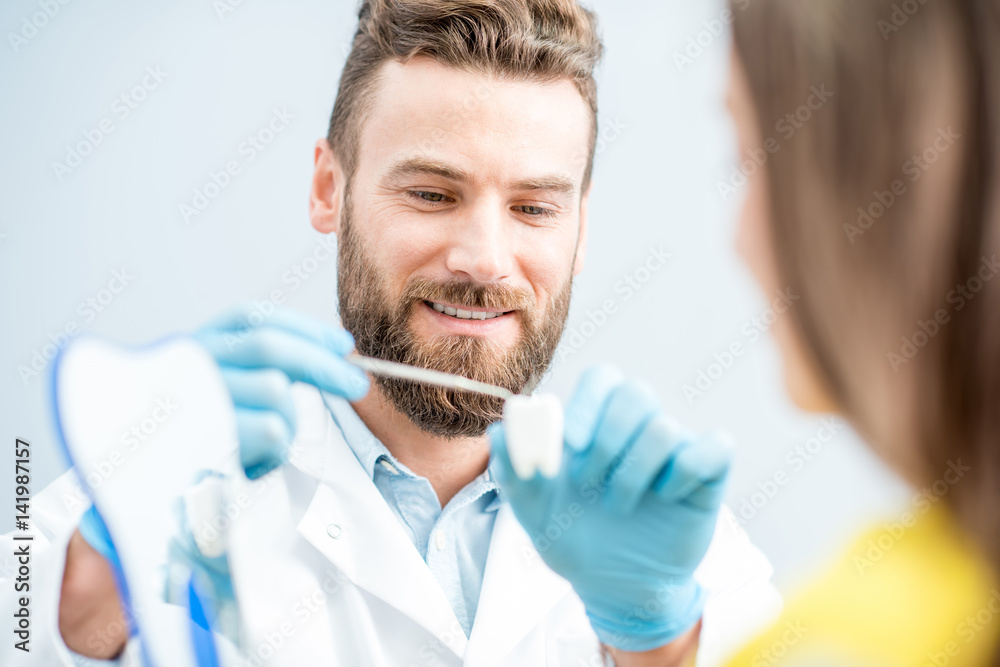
(373, 551)
(349, 522)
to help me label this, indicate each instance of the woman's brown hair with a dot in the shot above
(884, 219)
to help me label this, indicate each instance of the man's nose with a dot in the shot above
(480, 247)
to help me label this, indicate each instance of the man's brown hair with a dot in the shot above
(537, 40)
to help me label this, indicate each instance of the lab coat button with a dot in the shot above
(334, 531)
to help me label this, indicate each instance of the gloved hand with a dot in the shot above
(630, 514)
(260, 360)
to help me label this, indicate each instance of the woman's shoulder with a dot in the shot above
(911, 591)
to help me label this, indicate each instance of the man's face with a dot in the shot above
(462, 228)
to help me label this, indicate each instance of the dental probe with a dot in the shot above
(426, 376)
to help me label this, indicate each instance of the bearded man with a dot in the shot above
(456, 175)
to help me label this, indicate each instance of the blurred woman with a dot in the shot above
(880, 120)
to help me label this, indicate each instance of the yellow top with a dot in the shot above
(912, 593)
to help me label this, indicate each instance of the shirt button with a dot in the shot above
(440, 540)
(388, 466)
(334, 531)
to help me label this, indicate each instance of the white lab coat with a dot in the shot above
(350, 588)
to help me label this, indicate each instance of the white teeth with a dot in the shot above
(464, 314)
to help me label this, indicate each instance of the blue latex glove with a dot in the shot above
(631, 513)
(260, 360)
(93, 530)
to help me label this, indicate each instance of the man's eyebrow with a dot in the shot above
(558, 184)
(417, 166)
(420, 166)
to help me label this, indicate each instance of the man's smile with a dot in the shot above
(463, 312)
(465, 320)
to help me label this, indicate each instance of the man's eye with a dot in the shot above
(433, 197)
(534, 210)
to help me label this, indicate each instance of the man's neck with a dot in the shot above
(449, 464)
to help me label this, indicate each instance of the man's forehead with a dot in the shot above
(469, 121)
(465, 92)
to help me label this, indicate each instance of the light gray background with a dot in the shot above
(656, 184)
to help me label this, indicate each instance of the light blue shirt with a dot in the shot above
(453, 541)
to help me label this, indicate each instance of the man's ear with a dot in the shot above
(581, 243)
(326, 196)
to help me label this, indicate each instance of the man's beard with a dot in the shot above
(382, 329)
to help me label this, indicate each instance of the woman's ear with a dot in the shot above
(326, 196)
(581, 242)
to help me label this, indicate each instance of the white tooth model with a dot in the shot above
(534, 429)
(103, 390)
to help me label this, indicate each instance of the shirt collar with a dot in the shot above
(369, 450)
(494, 504)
